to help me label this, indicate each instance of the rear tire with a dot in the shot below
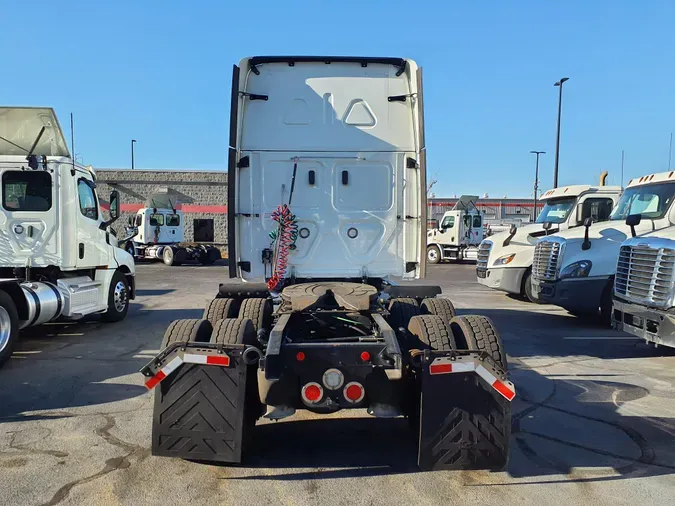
(479, 333)
(527, 287)
(168, 256)
(9, 326)
(195, 331)
(219, 309)
(431, 332)
(258, 310)
(439, 307)
(118, 298)
(400, 312)
(433, 255)
(129, 248)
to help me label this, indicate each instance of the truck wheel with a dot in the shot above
(258, 310)
(527, 287)
(9, 326)
(431, 331)
(234, 331)
(129, 248)
(118, 298)
(219, 309)
(401, 310)
(202, 256)
(181, 331)
(168, 256)
(478, 333)
(433, 254)
(606, 306)
(439, 307)
(212, 255)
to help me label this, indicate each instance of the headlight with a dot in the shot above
(504, 260)
(579, 269)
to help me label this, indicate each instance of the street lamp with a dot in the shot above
(133, 141)
(559, 84)
(536, 179)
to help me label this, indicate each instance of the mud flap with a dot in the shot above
(464, 423)
(199, 412)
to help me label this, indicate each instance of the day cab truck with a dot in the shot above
(575, 269)
(157, 232)
(327, 207)
(644, 287)
(58, 257)
(505, 259)
(460, 232)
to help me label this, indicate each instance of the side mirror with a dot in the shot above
(587, 242)
(632, 221)
(512, 232)
(114, 205)
(131, 221)
(588, 222)
(547, 226)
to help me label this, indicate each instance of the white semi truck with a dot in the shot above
(458, 235)
(505, 259)
(644, 287)
(58, 256)
(157, 232)
(575, 268)
(326, 204)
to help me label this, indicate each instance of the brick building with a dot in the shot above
(201, 195)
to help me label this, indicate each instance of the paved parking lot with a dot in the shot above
(594, 419)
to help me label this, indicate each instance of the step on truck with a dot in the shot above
(326, 207)
(157, 232)
(505, 259)
(576, 268)
(460, 232)
(58, 256)
(644, 287)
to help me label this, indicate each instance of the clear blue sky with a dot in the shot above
(159, 72)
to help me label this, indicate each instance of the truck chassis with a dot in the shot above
(330, 346)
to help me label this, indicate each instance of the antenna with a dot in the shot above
(622, 168)
(72, 140)
(670, 149)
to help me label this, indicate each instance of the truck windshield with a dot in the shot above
(651, 201)
(556, 210)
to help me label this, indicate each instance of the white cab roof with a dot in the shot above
(659, 177)
(576, 190)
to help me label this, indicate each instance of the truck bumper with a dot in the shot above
(507, 279)
(582, 295)
(652, 325)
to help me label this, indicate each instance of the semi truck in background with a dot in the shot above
(327, 201)
(59, 257)
(505, 259)
(575, 269)
(644, 287)
(459, 233)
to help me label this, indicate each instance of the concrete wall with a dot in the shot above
(200, 194)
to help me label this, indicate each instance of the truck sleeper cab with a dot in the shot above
(505, 259)
(59, 256)
(575, 269)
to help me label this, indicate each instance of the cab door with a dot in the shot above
(91, 240)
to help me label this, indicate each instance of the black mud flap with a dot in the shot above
(199, 412)
(464, 423)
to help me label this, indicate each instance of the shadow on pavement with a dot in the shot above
(154, 293)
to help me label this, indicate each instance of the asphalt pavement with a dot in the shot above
(593, 420)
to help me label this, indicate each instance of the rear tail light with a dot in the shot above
(354, 392)
(312, 393)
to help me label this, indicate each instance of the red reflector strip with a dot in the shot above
(154, 381)
(504, 390)
(218, 360)
(440, 368)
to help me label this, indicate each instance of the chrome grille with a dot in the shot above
(483, 255)
(547, 255)
(644, 272)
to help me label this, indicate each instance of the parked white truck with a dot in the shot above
(575, 268)
(505, 259)
(58, 256)
(460, 232)
(157, 232)
(644, 287)
(326, 203)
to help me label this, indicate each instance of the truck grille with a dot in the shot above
(547, 255)
(483, 255)
(644, 271)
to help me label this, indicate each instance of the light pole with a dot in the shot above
(559, 84)
(133, 141)
(536, 179)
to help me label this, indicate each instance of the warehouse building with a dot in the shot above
(497, 210)
(201, 195)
